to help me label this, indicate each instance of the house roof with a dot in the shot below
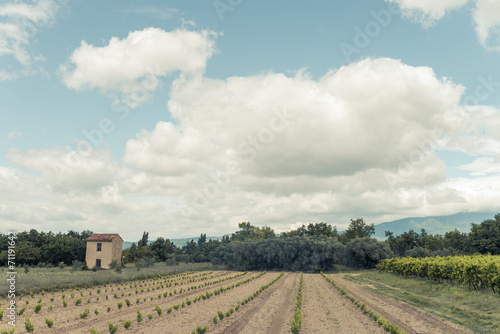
(103, 237)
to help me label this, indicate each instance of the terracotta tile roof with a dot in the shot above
(103, 237)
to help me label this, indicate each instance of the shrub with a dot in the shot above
(85, 313)
(158, 310)
(201, 330)
(49, 322)
(96, 311)
(112, 328)
(65, 303)
(108, 309)
(120, 304)
(1, 313)
(127, 302)
(139, 316)
(76, 265)
(21, 311)
(78, 302)
(61, 265)
(127, 324)
(114, 264)
(220, 314)
(28, 325)
(150, 316)
(215, 320)
(38, 307)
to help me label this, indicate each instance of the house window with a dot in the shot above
(98, 263)
(99, 245)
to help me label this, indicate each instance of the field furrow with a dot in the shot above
(407, 317)
(270, 313)
(67, 320)
(185, 320)
(326, 311)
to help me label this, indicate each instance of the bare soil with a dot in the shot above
(396, 312)
(270, 313)
(326, 311)
(67, 319)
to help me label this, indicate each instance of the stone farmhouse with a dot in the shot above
(102, 248)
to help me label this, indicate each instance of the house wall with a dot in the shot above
(117, 249)
(106, 253)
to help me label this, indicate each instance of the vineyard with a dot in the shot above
(214, 302)
(479, 272)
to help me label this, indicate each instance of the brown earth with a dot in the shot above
(326, 311)
(270, 313)
(202, 313)
(396, 312)
(67, 319)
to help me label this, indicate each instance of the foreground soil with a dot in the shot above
(326, 311)
(269, 313)
(396, 312)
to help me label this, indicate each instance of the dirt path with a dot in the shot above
(270, 313)
(326, 311)
(409, 318)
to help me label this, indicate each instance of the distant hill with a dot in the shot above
(178, 242)
(433, 225)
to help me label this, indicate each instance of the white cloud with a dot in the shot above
(68, 170)
(291, 126)
(486, 16)
(483, 166)
(14, 134)
(358, 140)
(21, 23)
(427, 12)
(487, 21)
(132, 65)
(271, 149)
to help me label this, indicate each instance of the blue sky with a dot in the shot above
(187, 117)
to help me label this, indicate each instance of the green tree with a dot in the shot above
(248, 231)
(366, 252)
(485, 237)
(357, 229)
(144, 240)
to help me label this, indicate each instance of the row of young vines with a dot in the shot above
(380, 320)
(479, 272)
(221, 315)
(297, 317)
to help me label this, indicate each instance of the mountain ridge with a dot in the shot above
(432, 225)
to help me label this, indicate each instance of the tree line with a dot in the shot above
(312, 247)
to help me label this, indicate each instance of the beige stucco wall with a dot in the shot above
(117, 249)
(110, 250)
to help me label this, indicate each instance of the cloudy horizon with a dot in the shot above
(180, 119)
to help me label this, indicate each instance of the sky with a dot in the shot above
(188, 117)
